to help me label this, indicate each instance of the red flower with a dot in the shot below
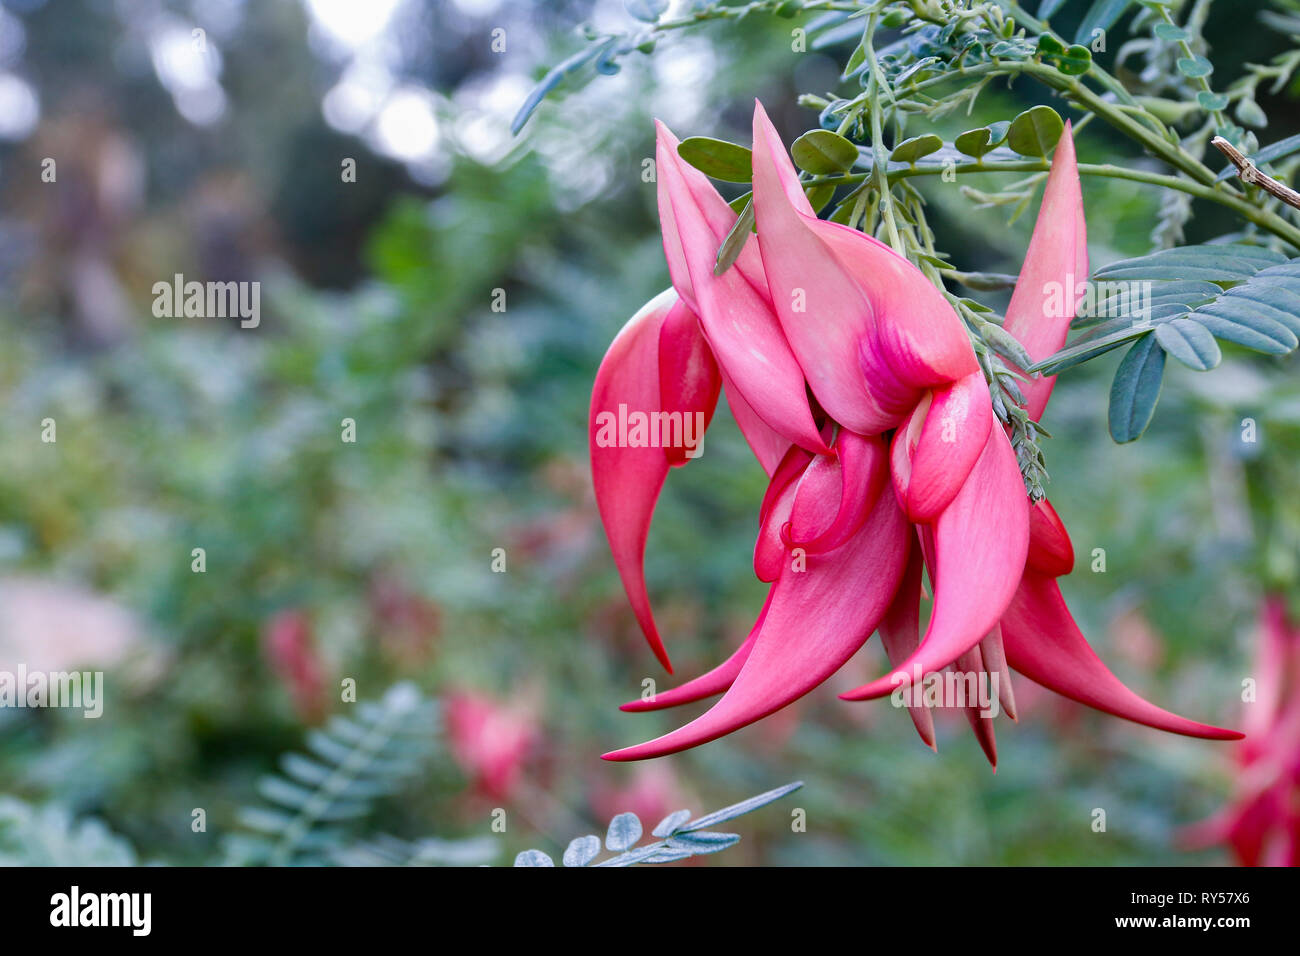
(844, 366)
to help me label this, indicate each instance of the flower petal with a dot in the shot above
(900, 633)
(738, 322)
(972, 664)
(934, 452)
(835, 495)
(995, 663)
(767, 445)
(849, 304)
(1050, 549)
(628, 479)
(1044, 644)
(688, 385)
(980, 542)
(1044, 300)
(817, 620)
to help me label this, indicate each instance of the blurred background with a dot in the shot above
(454, 299)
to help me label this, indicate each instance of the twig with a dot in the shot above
(1250, 174)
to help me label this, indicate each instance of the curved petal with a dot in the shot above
(1044, 644)
(1045, 297)
(995, 663)
(817, 620)
(900, 632)
(746, 338)
(767, 445)
(628, 475)
(708, 684)
(848, 304)
(836, 495)
(934, 452)
(770, 554)
(972, 662)
(688, 386)
(1050, 549)
(980, 542)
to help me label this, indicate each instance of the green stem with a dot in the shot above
(1252, 213)
(875, 89)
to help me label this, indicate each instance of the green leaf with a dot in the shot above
(582, 850)
(1211, 101)
(553, 79)
(1189, 342)
(1080, 352)
(624, 831)
(647, 11)
(1006, 343)
(533, 858)
(703, 842)
(1249, 114)
(977, 142)
(1278, 150)
(1035, 131)
(671, 822)
(910, 150)
(716, 158)
(1219, 263)
(1246, 316)
(1075, 61)
(740, 202)
(1048, 7)
(735, 241)
(1100, 16)
(1166, 300)
(819, 196)
(1195, 67)
(739, 809)
(1170, 33)
(1136, 389)
(823, 153)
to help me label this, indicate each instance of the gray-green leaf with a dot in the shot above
(624, 831)
(533, 858)
(1189, 342)
(582, 850)
(1136, 389)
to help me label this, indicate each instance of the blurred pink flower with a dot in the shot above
(1261, 823)
(490, 741)
(290, 648)
(652, 791)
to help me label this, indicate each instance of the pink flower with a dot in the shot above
(490, 741)
(290, 647)
(848, 371)
(1261, 824)
(652, 791)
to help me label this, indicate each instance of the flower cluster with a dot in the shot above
(857, 387)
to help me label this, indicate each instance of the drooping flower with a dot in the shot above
(1261, 824)
(857, 387)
